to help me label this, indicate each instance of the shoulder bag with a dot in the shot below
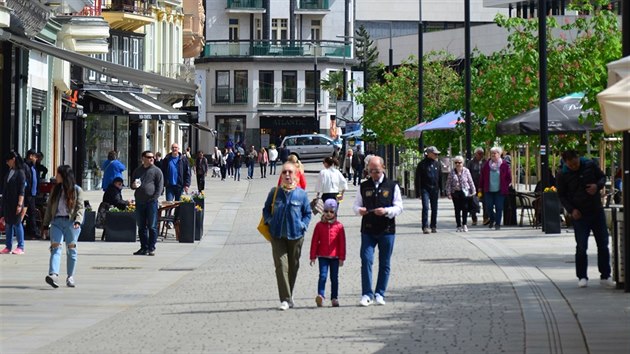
(263, 227)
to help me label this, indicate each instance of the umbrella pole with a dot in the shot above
(527, 167)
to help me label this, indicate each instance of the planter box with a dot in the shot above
(200, 202)
(198, 225)
(551, 213)
(186, 214)
(120, 227)
(88, 229)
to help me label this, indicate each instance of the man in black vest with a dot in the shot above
(379, 202)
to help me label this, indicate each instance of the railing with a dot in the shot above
(248, 48)
(131, 6)
(313, 5)
(286, 96)
(230, 96)
(245, 4)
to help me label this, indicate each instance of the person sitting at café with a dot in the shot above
(113, 194)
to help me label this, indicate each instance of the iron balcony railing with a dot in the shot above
(296, 48)
(244, 4)
(287, 96)
(229, 96)
(130, 6)
(313, 5)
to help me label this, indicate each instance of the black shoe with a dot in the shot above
(491, 224)
(151, 253)
(140, 252)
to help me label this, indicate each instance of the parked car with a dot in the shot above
(308, 146)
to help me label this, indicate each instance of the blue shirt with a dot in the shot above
(34, 179)
(172, 171)
(495, 181)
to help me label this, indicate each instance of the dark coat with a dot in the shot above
(428, 176)
(113, 196)
(13, 189)
(572, 187)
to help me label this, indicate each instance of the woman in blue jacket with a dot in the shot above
(287, 223)
(112, 168)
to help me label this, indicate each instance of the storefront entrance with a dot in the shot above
(274, 128)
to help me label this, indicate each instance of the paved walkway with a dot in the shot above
(508, 291)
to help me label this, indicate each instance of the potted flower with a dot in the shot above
(186, 219)
(120, 225)
(199, 198)
(551, 210)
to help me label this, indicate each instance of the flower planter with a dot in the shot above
(198, 225)
(88, 229)
(199, 202)
(186, 216)
(120, 227)
(551, 213)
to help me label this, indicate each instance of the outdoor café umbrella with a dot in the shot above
(446, 121)
(563, 117)
(615, 100)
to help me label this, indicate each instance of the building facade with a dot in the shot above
(263, 62)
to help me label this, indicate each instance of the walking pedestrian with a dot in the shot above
(346, 164)
(459, 188)
(290, 219)
(495, 186)
(379, 201)
(201, 170)
(273, 159)
(579, 186)
(64, 216)
(112, 168)
(176, 173)
(236, 165)
(357, 166)
(328, 246)
(330, 182)
(148, 182)
(223, 164)
(32, 230)
(250, 161)
(13, 203)
(474, 166)
(428, 182)
(263, 161)
(230, 161)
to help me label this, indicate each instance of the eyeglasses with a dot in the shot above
(329, 211)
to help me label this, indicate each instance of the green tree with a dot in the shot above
(367, 54)
(333, 84)
(391, 106)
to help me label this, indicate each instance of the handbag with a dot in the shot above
(317, 206)
(263, 227)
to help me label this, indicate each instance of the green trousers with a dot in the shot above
(286, 258)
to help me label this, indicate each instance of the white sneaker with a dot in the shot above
(379, 299)
(459, 229)
(583, 283)
(283, 306)
(365, 301)
(70, 282)
(607, 282)
(465, 228)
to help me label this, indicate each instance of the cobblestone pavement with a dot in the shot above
(508, 291)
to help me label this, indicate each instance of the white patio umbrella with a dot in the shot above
(615, 100)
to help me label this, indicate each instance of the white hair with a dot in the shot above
(458, 158)
(479, 149)
(496, 149)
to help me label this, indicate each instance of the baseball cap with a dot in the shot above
(433, 149)
(330, 204)
(118, 179)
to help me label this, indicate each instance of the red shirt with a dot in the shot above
(329, 240)
(301, 179)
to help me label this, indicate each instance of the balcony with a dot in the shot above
(248, 48)
(286, 96)
(230, 96)
(127, 15)
(245, 6)
(313, 7)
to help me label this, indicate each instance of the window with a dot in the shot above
(240, 86)
(135, 53)
(233, 30)
(289, 86)
(316, 30)
(258, 29)
(115, 54)
(265, 86)
(223, 87)
(125, 52)
(311, 79)
(279, 29)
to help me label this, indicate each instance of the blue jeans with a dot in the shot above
(237, 173)
(250, 170)
(173, 193)
(385, 245)
(62, 230)
(324, 264)
(18, 230)
(595, 221)
(429, 197)
(494, 206)
(146, 219)
(272, 167)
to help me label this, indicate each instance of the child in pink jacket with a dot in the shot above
(329, 246)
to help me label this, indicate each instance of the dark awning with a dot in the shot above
(139, 105)
(104, 67)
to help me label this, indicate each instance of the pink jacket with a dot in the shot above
(263, 158)
(329, 240)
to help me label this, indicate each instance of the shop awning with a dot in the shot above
(139, 105)
(104, 67)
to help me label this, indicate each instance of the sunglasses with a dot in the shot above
(458, 163)
(329, 211)
(149, 157)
